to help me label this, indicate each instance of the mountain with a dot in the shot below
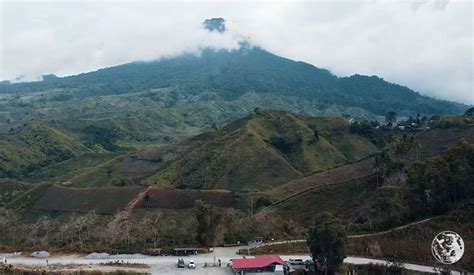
(176, 97)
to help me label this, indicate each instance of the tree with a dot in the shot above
(327, 242)
(154, 228)
(390, 118)
(469, 112)
(382, 164)
(208, 218)
(400, 146)
(442, 182)
(106, 137)
(390, 204)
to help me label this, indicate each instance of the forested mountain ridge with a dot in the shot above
(223, 75)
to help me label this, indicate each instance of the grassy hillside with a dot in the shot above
(265, 149)
(336, 190)
(447, 133)
(336, 175)
(34, 147)
(11, 189)
(349, 201)
(66, 172)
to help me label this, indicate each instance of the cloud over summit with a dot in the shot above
(426, 46)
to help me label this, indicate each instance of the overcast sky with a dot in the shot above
(427, 45)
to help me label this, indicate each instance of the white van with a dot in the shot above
(191, 264)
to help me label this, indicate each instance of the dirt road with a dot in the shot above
(168, 264)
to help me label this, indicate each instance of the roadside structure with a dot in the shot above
(271, 264)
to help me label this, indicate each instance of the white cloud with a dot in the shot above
(425, 45)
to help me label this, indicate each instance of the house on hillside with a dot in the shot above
(272, 264)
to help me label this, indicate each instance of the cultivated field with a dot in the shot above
(100, 200)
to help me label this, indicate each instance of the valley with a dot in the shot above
(299, 168)
(227, 147)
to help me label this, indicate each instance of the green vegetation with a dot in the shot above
(208, 219)
(311, 164)
(389, 203)
(10, 190)
(267, 148)
(69, 172)
(35, 147)
(88, 144)
(441, 183)
(222, 76)
(24, 202)
(327, 243)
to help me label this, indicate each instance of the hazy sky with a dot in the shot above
(427, 45)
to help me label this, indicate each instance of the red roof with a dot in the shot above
(257, 262)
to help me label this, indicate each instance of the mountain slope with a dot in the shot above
(34, 147)
(265, 149)
(217, 85)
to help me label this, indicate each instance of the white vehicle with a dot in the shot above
(191, 264)
(296, 262)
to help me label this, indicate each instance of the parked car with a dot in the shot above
(191, 264)
(181, 263)
(296, 262)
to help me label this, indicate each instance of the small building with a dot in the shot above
(271, 264)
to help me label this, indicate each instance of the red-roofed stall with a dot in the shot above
(258, 264)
